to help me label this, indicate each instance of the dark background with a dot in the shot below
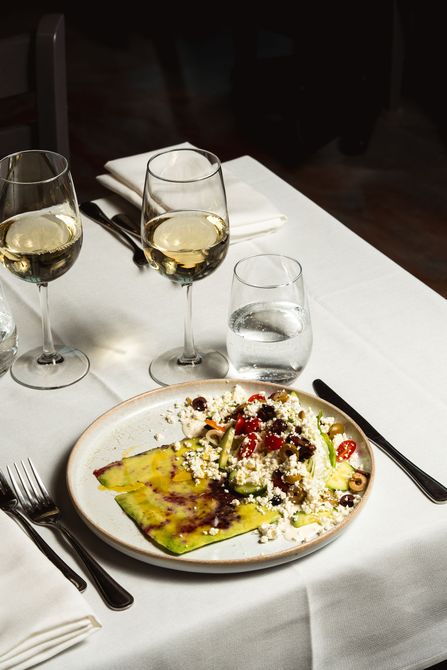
(314, 92)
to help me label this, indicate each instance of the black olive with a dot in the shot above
(297, 440)
(347, 500)
(278, 426)
(276, 500)
(306, 452)
(199, 403)
(278, 481)
(266, 412)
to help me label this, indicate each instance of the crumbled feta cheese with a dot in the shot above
(262, 468)
(267, 531)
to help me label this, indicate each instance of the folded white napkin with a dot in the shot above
(41, 612)
(250, 212)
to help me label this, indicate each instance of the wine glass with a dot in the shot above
(185, 233)
(40, 239)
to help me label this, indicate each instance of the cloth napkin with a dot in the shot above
(41, 612)
(250, 212)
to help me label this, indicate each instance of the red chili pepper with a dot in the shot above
(273, 442)
(345, 450)
(239, 425)
(252, 425)
(256, 396)
(248, 446)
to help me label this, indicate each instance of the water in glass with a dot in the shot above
(269, 334)
(8, 336)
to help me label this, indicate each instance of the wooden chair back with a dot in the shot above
(34, 63)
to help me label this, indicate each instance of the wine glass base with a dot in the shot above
(166, 370)
(73, 366)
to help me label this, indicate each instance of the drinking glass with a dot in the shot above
(40, 239)
(184, 229)
(8, 334)
(269, 334)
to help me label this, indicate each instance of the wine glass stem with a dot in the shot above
(189, 355)
(49, 354)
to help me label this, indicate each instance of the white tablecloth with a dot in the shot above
(377, 596)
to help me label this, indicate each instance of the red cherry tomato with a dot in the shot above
(248, 446)
(239, 425)
(256, 396)
(345, 450)
(252, 425)
(273, 442)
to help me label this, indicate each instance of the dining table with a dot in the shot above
(375, 597)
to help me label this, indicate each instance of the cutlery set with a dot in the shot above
(120, 226)
(37, 506)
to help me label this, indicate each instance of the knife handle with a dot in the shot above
(432, 488)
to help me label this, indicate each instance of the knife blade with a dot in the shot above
(432, 488)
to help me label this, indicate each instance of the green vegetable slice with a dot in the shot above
(172, 509)
(340, 476)
(330, 447)
(302, 519)
(226, 444)
(249, 488)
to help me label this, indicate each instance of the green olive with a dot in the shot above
(280, 396)
(299, 494)
(291, 479)
(357, 482)
(336, 429)
(289, 449)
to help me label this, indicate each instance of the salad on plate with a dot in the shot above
(261, 462)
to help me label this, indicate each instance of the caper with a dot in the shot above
(336, 429)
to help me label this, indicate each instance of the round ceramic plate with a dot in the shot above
(131, 427)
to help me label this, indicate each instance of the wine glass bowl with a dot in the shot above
(185, 234)
(40, 239)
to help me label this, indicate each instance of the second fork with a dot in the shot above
(8, 502)
(40, 508)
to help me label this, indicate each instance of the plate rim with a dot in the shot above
(183, 562)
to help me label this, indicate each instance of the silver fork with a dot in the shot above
(8, 503)
(40, 508)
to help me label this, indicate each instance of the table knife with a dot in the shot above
(94, 212)
(432, 488)
(124, 221)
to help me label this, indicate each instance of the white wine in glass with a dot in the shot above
(40, 239)
(185, 234)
